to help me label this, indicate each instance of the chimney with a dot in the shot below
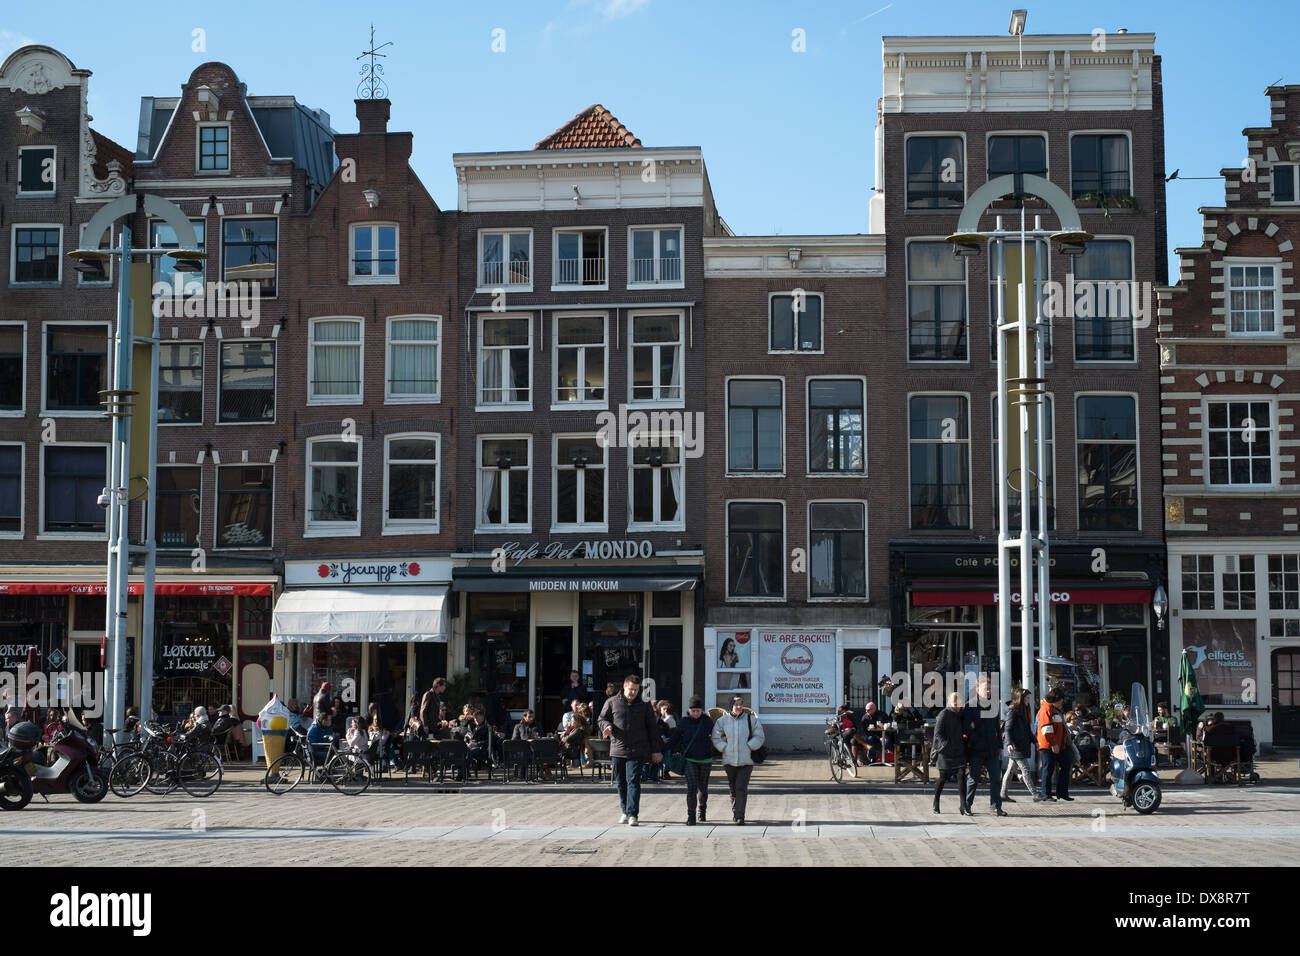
(373, 115)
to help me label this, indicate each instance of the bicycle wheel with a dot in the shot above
(348, 774)
(849, 764)
(285, 774)
(162, 772)
(200, 774)
(837, 766)
(129, 776)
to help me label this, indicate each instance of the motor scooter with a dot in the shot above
(1133, 759)
(15, 753)
(73, 767)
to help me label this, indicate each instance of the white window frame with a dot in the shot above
(189, 280)
(631, 355)
(18, 173)
(1023, 133)
(82, 282)
(275, 382)
(680, 283)
(970, 457)
(965, 169)
(221, 249)
(203, 379)
(726, 535)
(374, 227)
(632, 525)
(557, 466)
(44, 535)
(1137, 463)
(807, 426)
(331, 529)
(556, 404)
(1069, 146)
(45, 365)
(410, 398)
(1055, 503)
(359, 345)
(771, 298)
(216, 508)
(1294, 170)
(556, 285)
(479, 467)
(13, 256)
(405, 526)
(1274, 263)
(479, 404)
(21, 410)
(1272, 403)
(907, 306)
(22, 490)
(726, 403)
(480, 278)
(198, 150)
(866, 552)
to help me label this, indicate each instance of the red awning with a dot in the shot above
(960, 593)
(242, 588)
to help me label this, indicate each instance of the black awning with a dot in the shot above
(584, 580)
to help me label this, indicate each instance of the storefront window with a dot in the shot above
(193, 651)
(336, 663)
(89, 613)
(254, 618)
(496, 652)
(609, 639)
(1223, 657)
(31, 623)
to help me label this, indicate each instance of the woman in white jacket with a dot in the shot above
(738, 734)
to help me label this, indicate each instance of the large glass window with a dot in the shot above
(1017, 154)
(579, 358)
(504, 471)
(1103, 310)
(180, 383)
(11, 489)
(505, 362)
(244, 496)
(1240, 438)
(936, 303)
(411, 486)
(374, 253)
(1107, 449)
(1020, 479)
(837, 553)
(580, 257)
(656, 257)
(505, 258)
(836, 426)
(37, 170)
(755, 549)
(36, 254)
(657, 477)
(796, 323)
(1239, 582)
(163, 236)
(12, 364)
(579, 482)
(1284, 582)
(74, 478)
(414, 359)
(249, 248)
(657, 358)
(335, 360)
(76, 367)
(1198, 582)
(939, 442)
(247, 381)
(936, 177)
(755, 426)
(180, 498)
(334, 469)
(1099, 164)
(1252, 299)
(96, 271)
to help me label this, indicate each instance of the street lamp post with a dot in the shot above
(120, 407)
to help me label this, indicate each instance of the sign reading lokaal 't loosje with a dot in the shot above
(345, 572)
(796, 668)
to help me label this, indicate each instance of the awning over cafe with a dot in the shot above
(240, 588)
(585, 580)
(376, 615)
(961, 593)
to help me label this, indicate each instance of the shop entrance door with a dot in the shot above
(666, 663)
(1128, 663)
(859, 678)
(1286, 697)
(554, 662)
(388, 683)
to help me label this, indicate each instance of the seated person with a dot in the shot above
(856, 743)
(573, 738)
(1163, 721)
(527, 728)
(197, 727)
(228, 723)
(376, 739)
(875, 728)
(443, 730)
(357, 738)
(319, 735)
(478, 741)
(295, 716)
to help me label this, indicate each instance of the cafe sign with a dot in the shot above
(342, 572)
(796, 669)
(513, 553)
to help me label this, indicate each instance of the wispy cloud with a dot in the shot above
(615, 9)
(10, 41)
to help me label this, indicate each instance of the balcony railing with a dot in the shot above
(580, 271)
(515, 272)
(656, 270)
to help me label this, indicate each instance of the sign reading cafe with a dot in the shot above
(514, 552)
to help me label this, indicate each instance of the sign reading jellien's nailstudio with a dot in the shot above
(796, 669)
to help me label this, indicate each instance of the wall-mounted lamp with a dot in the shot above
(1017, 25)
(577, 197)
(794, 253)
(372, 197)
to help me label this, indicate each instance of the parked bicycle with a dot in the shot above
(347, 772)
(837, 750)
(167, 760)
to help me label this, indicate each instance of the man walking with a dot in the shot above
(984, 741)
(633, 733)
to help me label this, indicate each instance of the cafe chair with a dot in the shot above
(415, 757)
(548, 756)
(451, 756)
(517, 755)
(600, 764)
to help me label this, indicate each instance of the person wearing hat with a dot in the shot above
(228, 723)
(738, 734)
(693, 736)
(13, 716)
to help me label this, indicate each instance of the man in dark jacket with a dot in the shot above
(984, 743)
(633, 732)
(693, 737)
(429, 705)
(949, 752)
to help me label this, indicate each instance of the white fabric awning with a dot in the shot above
(373, 615)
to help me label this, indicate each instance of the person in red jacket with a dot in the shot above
(1053, 746)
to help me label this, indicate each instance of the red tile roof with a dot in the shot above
(593, 128)
(106, 149)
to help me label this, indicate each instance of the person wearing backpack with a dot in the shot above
(738, 734)
(693, 738)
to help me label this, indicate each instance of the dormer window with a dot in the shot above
(214, 148)
(374, 254)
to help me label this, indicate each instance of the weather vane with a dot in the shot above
(372, 86)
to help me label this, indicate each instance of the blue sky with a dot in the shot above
(787, 136)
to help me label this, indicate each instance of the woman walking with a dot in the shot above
(1019, 742)
(693, 736)
(738, 734)
(949, 752)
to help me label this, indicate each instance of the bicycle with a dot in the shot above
(347, 772)
(841, 757)
(166, 761)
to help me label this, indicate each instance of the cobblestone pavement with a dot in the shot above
(797, 816)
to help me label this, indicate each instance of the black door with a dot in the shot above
(1128, 663)
(554, 662)
(1286, 697)
(859, 678)
(666, 663)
